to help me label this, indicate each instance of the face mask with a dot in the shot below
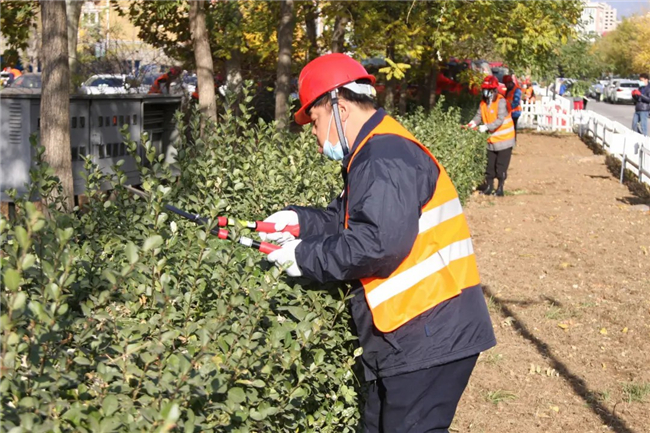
(333, 151)
(487, 93)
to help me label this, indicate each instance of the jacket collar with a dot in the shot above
(366, 129)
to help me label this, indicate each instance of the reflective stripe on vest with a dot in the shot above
(510, 96)
(489, 114)
(441, 262)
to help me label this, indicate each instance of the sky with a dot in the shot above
(628, 8)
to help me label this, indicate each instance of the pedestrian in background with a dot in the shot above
(642, 107)
(513, 98)
(398, 233)
(493, 117)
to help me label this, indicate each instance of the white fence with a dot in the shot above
(547, 114)
(632, 148)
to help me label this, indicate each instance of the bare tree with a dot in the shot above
(73, 13)
(55, 96)
(283, 80)
(203, 58)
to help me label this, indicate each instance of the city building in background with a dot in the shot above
(598, 18)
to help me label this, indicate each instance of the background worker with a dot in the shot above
(641, 98)
(163, 82)
(399, 235)
(13, 74)
(513, 98)
(493, 117)
(529, 92)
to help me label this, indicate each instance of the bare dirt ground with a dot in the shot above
(565, 260)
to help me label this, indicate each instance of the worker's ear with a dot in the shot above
(344, 109)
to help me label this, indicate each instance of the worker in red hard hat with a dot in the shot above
(493, 117)
(528, 92)
(398, 234)
(163, 83)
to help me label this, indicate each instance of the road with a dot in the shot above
(621, 113)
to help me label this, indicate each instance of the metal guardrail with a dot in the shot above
(630, 147)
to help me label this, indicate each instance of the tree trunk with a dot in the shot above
(73, 13)
(55, 97)
(234, 77)
(389, 99)
(423, 82)
(311, 14)
(433, 83)
(283, 80)
(338, 35)
(403, 95)
(203, 59)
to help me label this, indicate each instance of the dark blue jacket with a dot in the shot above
(643, 101)
(391, 180)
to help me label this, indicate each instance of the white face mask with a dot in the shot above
(333, 151)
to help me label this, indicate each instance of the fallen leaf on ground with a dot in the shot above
(603, 331)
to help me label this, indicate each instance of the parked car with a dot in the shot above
(597, 90)
(146, 81)
(620, 90)
(106, 84)
(27, 81)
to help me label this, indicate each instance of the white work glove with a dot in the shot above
(471, 125)
(285, 256)
(482, 128)
(281, 219)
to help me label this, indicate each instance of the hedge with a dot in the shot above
(123, 317)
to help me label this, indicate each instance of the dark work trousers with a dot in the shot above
(497, 166)
(514, 121)
(417, 402)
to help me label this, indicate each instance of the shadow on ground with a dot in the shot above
(578, 384)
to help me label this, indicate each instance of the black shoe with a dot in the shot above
(489, 190)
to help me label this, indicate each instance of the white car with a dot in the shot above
(106, 84)
(620, 90)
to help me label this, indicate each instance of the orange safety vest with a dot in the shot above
(156, 87)
(489, 114)
(529, 93)
(442, 261)
(510, 95)
(15, 72)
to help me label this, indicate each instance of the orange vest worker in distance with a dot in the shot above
(164, 81)
(398, 234)
(494, 118)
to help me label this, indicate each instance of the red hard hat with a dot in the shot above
(507, 79)
(490, 82)
(323, 74)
